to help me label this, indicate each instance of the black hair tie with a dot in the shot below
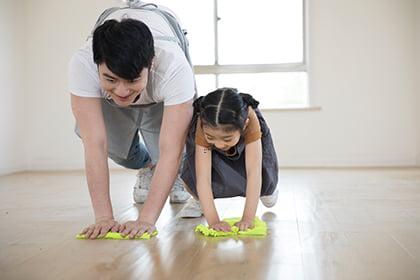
(197, 105)
(249, 100)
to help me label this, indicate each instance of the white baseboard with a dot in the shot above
(285, 160)
(349, 161)
(12, 169)
(418, 160)
(62, 165)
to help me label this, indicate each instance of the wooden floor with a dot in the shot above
(327, 224)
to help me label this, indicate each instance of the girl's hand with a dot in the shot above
(244, 224)
(221, 226)
(100, 228)
(136, 228)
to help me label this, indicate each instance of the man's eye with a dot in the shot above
(110, 80)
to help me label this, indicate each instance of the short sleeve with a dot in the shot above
(83, 77)
(253, 131)
(176, 78)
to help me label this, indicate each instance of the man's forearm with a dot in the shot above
(97, 173)
(163, 178)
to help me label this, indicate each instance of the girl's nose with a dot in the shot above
(221, 146)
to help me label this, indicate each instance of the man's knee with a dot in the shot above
(131, 163)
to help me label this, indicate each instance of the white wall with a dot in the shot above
(361, 74)
(417, 77)
(57, 29)
(12, 96)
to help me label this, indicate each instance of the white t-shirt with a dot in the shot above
(171, 79)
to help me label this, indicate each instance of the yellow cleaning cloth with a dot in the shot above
(117, 236)
(260, 229)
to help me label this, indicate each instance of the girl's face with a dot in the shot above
(123, 92)
(220, 138)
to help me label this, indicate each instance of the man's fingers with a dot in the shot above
(115, 228)
(122, 228)
(150, 230)
(133, 233)
(126, 231)
(103, 232)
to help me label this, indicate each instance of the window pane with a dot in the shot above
(262, 32)
(272, 90)
(197, 17)
(205, 84)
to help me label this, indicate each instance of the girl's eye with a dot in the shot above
(110, 80)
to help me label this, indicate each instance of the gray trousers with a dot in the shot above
(122, 128)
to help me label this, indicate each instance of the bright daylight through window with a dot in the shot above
(257, 47)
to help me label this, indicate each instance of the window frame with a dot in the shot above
(217, 69)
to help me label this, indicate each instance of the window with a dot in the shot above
(257, 47)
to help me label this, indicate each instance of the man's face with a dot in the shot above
(122, 91)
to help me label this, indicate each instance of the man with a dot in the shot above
(133, 75)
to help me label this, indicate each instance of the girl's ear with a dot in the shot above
(246, 123)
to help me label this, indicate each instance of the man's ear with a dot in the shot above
(152, 64)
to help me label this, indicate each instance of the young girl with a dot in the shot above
(230, 153)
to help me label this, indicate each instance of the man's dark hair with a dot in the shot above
(126, 47)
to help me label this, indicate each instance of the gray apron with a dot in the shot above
(228, 173)
(123, 123)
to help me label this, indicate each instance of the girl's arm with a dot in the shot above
(253, 162)
(204, 190)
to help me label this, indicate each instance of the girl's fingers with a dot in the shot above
(84, 230)
(95, 233)
(89, 232)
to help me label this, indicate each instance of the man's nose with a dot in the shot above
(122, 90)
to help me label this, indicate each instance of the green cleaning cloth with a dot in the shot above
(117, 236)
(260, 229)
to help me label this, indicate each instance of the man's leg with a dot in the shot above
(137, 158)
(150, 130)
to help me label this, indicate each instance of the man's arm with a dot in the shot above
(173, 132)
(88, 114)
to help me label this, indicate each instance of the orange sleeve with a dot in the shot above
(253, 131)
(199, 136)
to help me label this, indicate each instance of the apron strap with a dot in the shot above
(179, 33)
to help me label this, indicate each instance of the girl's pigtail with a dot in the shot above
(248, 99)
(197, 105)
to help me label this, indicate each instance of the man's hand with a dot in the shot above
(244, 224)
(136, 228)
(100, 228)
(221, 226)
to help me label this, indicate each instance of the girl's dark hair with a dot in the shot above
(126, 47)
(224, 106)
